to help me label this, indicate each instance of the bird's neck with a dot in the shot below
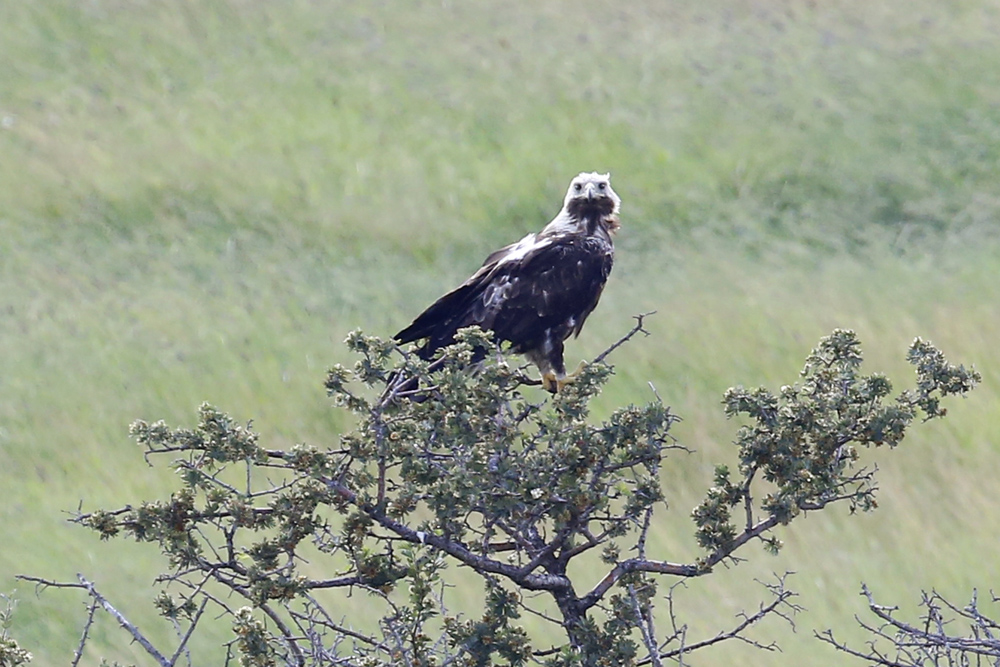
(588, 224)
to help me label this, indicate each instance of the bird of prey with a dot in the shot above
(537, 292)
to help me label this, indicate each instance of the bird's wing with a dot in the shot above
(536, 284)
(552, 288)
(439, 322)
(437, 318)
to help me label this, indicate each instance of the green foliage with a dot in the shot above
(520, 465)
(803, 441)
(452, 462)
(492, 635)
(11, 655)
(466, 467)
(253, 640)
(171, 608)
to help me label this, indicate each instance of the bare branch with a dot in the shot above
(99, 599)
(78, 653)
(646, 628)
(187, 635)
(780, 606)
(41, 584)
(638, 328)
(340, 582)
(339, 628)
(929, 643)
(635, 565)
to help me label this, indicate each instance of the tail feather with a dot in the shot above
(444, 317)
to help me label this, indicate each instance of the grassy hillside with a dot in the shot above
(199, 201)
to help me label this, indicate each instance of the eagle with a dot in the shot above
(536, 293)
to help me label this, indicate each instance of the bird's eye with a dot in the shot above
(578, 186)
(602, 186)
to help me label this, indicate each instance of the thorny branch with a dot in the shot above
(936, 640)
(99, 599)
(78, 653)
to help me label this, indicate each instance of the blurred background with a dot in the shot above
(198, 201)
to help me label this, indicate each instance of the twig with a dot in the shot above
(624, 339)
(335, 583)
(41, 584)
(329, 622)
(782, 596)
(646, 629)
(916, 646)
(78, 654)
(124, 622)
(187, 635)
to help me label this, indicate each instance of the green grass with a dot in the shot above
(198, 202)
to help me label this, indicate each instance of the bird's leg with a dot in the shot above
(558, 383)
(554, 376)
(550, 362)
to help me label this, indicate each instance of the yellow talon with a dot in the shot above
(554, 384)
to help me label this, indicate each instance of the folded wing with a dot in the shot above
(531, 294)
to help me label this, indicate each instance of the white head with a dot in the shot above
(590, 199)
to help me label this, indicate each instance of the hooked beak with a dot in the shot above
(591, 191)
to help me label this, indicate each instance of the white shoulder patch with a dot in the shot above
(528, 244)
